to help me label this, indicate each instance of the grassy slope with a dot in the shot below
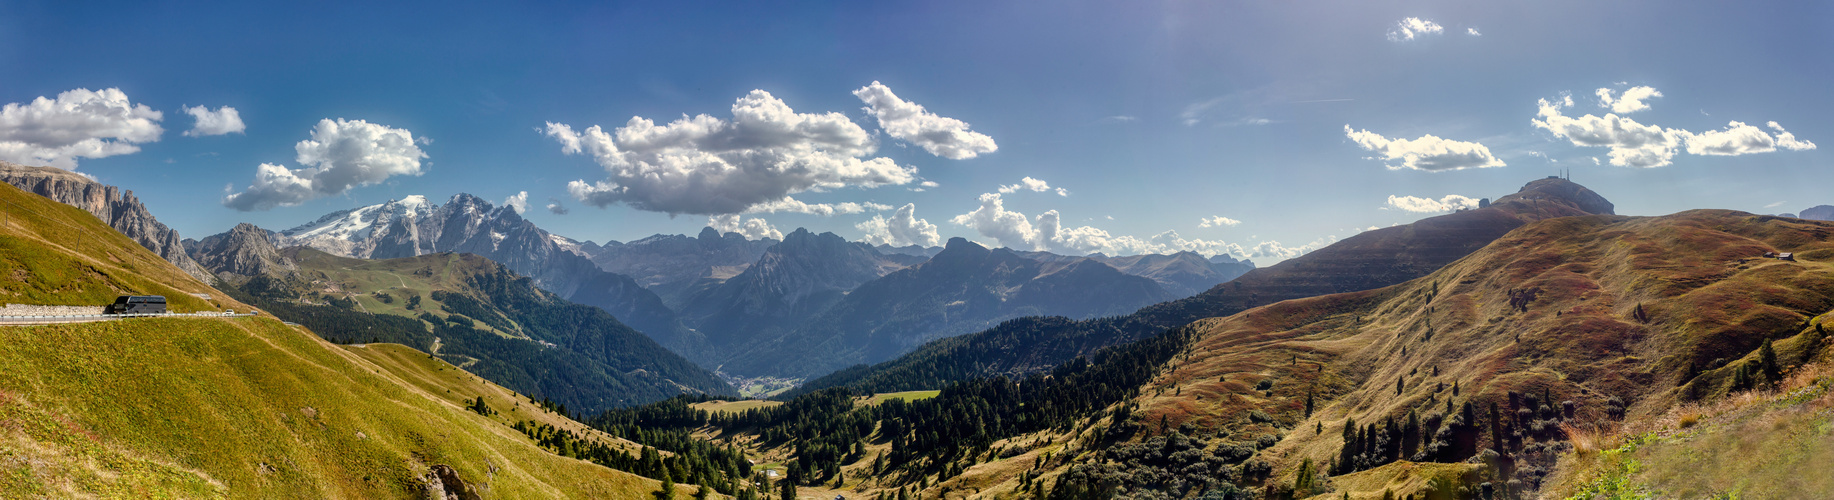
(56, 254)
(1762, 443)
(400, 278)
(1578, 339)
(244, 408)
(249, 408)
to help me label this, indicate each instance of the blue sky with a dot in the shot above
(1257, 128)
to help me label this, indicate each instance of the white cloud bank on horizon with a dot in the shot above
(1634, 144)
(940, 135)
(901, 229)
(1046, 232)
(709, 166)
(78, 123)
(341, 155)
(225, 120)
(1430, 153)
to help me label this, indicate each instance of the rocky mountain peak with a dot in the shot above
(1539, 194)
(119, 209)
(245, 250)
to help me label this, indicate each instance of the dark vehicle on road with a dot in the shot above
(137, 304)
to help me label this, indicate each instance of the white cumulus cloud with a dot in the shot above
(710, 166)
(518, 202)
(991, 219)
(752, 229)
(1630, 101)
(1034, 185)
(1217, 221)
(1448, 203)
(225, 120)
(341, 155)
(940, 135)
(1473, 32)
(1632, 144)
(1739, 139)
(79, 123)
(1430, 153)
(1409, 28)
(901, 229)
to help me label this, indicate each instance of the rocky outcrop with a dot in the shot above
(244, 251)
(119, 209)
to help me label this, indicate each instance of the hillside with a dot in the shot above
(467, 310)
(57, 254)
(964, 288)
(1565, 337)
(116, 208)
(233, 407)
(1611, 317)
(1369, 260)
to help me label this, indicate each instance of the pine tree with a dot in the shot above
(1308, 405)
(668, 487)
(1767, 360)
(1400, 383)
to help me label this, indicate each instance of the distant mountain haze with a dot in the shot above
(1370, 260)
(963, 289)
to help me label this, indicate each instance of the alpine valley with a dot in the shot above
(1534, 346)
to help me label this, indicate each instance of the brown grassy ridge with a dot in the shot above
(1767, 442)
(1579, 338)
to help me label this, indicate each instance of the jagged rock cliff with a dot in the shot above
(243, 251)
(119, 209)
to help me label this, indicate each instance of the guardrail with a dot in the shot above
(86, 318)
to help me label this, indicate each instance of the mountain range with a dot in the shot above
(461, 307)
(1372, 259)
(413, 226)
(747, 307)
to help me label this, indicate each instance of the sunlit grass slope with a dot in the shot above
(250, 408)
(365, 280)
(56, 254)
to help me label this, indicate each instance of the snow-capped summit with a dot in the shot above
(359, 224)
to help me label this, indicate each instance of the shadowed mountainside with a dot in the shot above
(964, 288)
(1366, 261)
